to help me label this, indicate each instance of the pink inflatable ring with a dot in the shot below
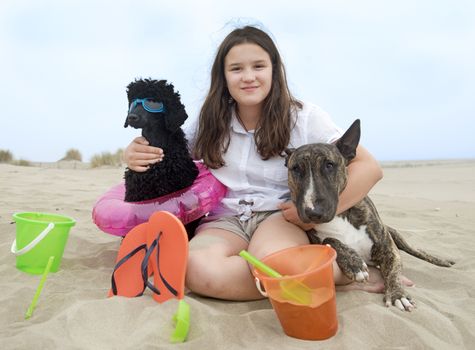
(112, 215)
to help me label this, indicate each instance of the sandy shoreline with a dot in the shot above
(431, 202)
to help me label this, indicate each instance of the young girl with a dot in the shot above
(247, 120)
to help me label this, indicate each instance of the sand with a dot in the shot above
(431, 203)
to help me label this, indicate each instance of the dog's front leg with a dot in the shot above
(349, 261)
(313, 236)
(394, 292)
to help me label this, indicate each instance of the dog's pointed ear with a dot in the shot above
(349, 141)
(126, 124)
(288, 153)
(173, 121)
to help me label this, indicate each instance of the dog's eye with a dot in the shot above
(297, 170)
(329, 165)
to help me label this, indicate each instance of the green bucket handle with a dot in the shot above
(33, 243)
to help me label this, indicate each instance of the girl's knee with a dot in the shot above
(197, 272)
(274, 234)
(204, 272)
(220, 276)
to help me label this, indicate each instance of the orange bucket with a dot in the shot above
(307, 271)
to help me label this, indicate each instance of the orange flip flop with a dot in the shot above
(127, 277)
(166, 234)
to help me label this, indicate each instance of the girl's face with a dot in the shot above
(248, 73)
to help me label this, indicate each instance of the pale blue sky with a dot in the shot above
(405, 68)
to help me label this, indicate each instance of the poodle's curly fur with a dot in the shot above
(177, 170)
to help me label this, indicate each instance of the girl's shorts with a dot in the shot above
(244, 229)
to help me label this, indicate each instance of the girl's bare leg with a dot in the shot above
(216, 270)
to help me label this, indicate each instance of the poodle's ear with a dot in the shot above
(173, 121)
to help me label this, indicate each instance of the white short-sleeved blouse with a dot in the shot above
(260, 185)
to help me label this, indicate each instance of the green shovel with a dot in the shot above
(292, 290)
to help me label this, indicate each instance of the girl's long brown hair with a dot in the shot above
(272, 134)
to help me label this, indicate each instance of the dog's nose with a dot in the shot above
(315, 213)
(134, 120)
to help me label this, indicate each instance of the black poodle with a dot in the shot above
(155, 108)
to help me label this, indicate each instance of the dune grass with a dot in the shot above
(72, 154)
(107, 159)
(21, 162)
(6, 156)
(103, 159)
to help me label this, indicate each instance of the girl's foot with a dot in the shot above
(374, 285)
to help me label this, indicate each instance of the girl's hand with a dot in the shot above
(289, 211)
(139, 155)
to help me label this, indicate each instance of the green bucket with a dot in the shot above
(39, 236)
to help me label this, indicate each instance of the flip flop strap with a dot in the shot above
(168, 285)
(122, 261)
(155, 244)
(145, 267)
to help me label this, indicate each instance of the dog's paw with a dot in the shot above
(363, 274)
(354, 267)
(400, 299)
(349, 261)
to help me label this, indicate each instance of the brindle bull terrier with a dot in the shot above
(317, 176)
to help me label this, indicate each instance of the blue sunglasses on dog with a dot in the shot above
(148, 104)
